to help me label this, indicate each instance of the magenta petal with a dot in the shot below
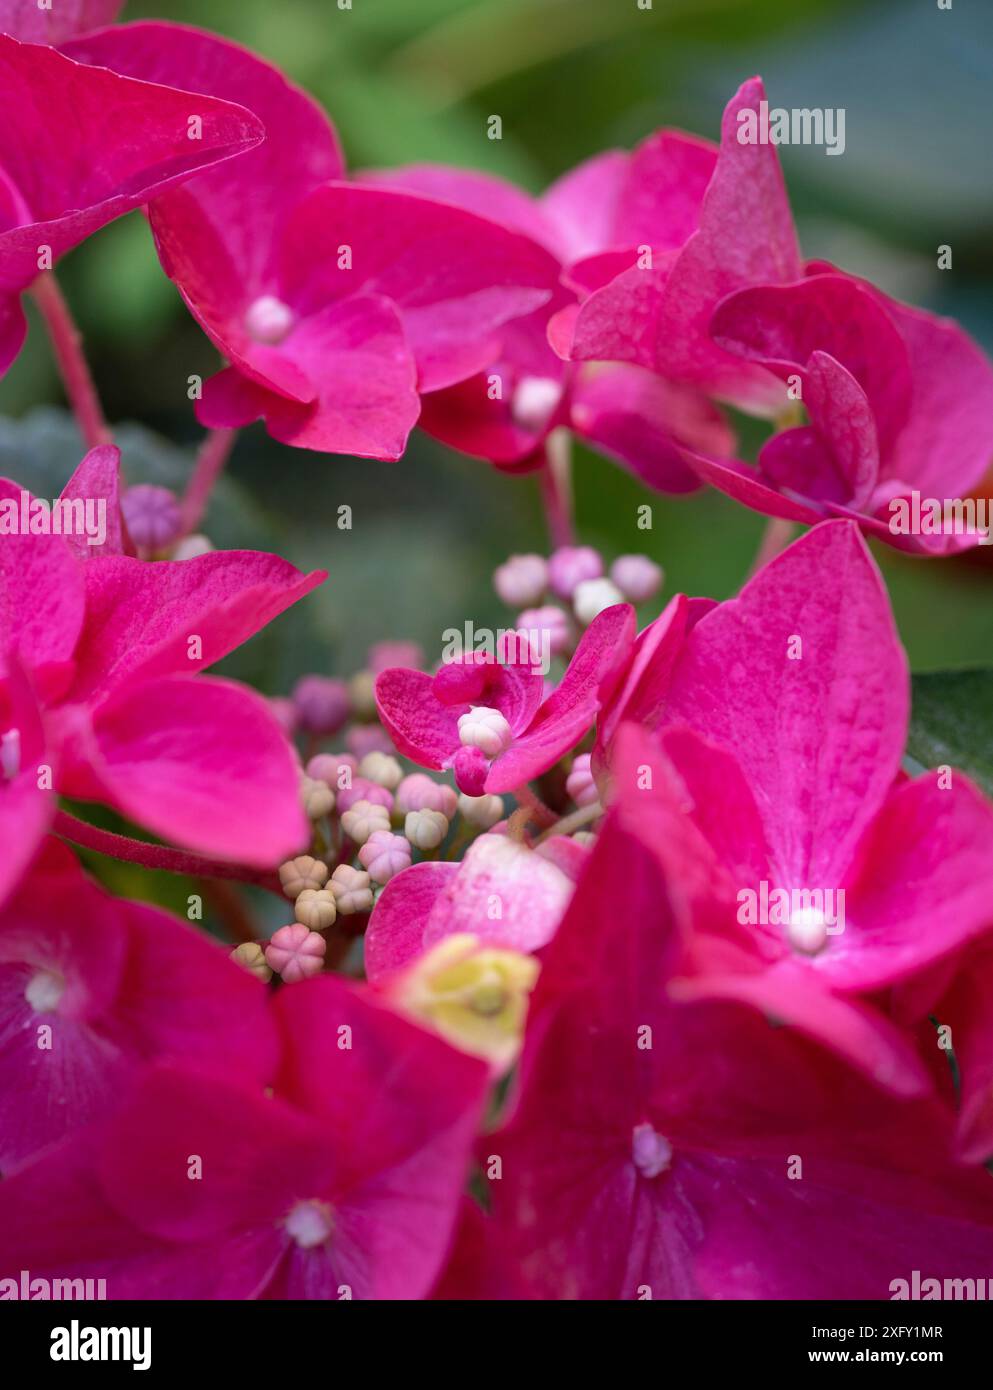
(640, 695)
(819, 736)
(70, 175)
(25, 810)
(202, 762)
(140, 617)
(32, 24)
(745, 484)
(582, 204)
(98, 480)
(967, 1008)
(418, 723)
(395, 935)
(13, 328)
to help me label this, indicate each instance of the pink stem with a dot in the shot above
(66, 341)
(173, 861)
(775, 538)
(211, 458)
(556, 488)
(530, 801)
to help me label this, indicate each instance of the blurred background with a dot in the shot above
(416, 80)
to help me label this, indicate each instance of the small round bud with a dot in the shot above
(521, 580)
(352, 889)
(385, 855)
(637, 577)
(317, 797)
(483, 812)
(364, 739)
(385, 655)
(268, 319)
(364, 790)
(327, 768)
(152, 516)
(570, 566)
(580, 784)
(251, 956)
(807, 930)
(419, 792)
(382, 769)
(425, 829)
(550, 619)
(486, 729)
(303, 872)
(362, 694)
(315, 908)
(192, 546)
(295, 952)
(534, 402)
(321, 705)
(592, 596)
(363, 819)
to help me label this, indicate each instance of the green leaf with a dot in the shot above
(952, 722)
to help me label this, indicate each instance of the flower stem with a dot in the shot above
(556, 487)
(537, 810)
(172, 861)
(66, 341)
(213, 454)
(575, 820)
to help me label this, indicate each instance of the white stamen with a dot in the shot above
(807, 930)
(268, 319)
(310, 1224)
(45, 990)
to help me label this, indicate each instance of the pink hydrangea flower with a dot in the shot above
(299, 1201)
(422, 712)
(68, 169)
(113, 647)
(652, 1148)
(92, 989)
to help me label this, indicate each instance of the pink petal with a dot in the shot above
(395, 935)
(25, 810)
(32, 24)
(98, 480)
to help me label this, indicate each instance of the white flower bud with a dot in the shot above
(425, 829)
(352, 889)
(303, 872)
(592, 596)
(251, 956)
(485, 729)
(316, 909)
(381, 768)
(363, 820)
(317, 797)
(483, 812)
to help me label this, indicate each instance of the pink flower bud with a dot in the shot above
(521, 580)
(470, 766)
(286, 713)
(385, 655)
(368, 738)
(385, 855)
(352, 890)
(322, 705)
(295, 952)
(363, 819)
(570, 565)
(419, 792)
(637, 577)
(592, 596)
(303, 872)
(326, 768)
(152, 516)
(486, 729)
(364, 790)
(580, 784)
(550, 619)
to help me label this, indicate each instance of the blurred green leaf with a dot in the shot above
(952, 722)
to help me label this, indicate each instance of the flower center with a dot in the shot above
(10, 754)
(268, 319)
(45, 990)
(807, 930)
(485, 729)
(310, 1223)
(534, 401)
(651, 1152)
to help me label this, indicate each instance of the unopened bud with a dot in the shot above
(580, 784)
(534, 402)
(152, 516)
(268, 320)
(317, 797)
(364, 790)
(303, 872)
(352, 889)
(637, 577)
(483, 812)
(381, 769)
(192, 546)
(419, 792)
(570, 566)
(321, 704)
(364, 819)
(251, 956)
(316, 908)
(592, 596)
(521, 580)
(385, 855)
(295, 952)
(425, 829)
(362, 694)
(328, 767)
(551, 620)
(486, 729)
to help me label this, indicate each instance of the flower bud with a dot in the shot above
(286, 714)
(474, 994)
(580, 784)
(471, 769)
(534, 402)
(385, 855)
(251, 956)
(483, 812)
(425, 829)
(363, 819)
(303, 872)
(295, 952)
(190, 547)
(362, 694)
(592, 596)
(316, 908)
(364, 790)
(486, 729)
(152, 516)
(521, 580)
(384, 655)
(550, 619)
(322, 705)
(419, 792)
(327, 768)
(352, 890)
(268, 320)
(317, 797)
(570, 565)
(637, 577)
(382, 769)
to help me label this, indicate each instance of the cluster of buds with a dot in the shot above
(573, 575)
